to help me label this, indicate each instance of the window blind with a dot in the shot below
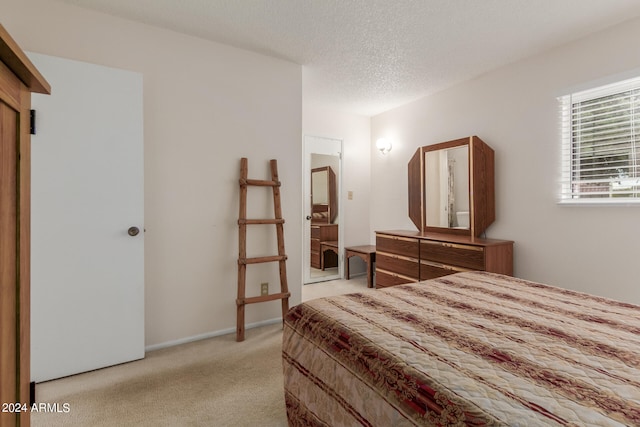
(601, 144)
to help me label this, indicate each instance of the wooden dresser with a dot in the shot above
(411, 256)
(322, 233)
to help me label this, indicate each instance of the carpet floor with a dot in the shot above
(212, 382)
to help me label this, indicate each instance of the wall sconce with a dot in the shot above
(383, 145)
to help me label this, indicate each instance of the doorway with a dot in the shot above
(87, 222)
(323, 211)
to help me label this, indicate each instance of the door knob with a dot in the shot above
(308, 217)
(133, 231)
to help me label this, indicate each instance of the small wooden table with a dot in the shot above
(330, 245)
(367, 253)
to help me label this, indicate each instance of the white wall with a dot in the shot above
(205, 106)
(514, 109)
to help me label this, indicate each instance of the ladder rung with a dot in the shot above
(258, 260)
(262, 298)
(261, 221)
(260, 182)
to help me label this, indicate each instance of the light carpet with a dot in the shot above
(212, 382)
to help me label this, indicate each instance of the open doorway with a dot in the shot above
(322, 234)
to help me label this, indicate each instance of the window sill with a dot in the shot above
(600, 202)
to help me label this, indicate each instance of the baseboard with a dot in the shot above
(208, 335)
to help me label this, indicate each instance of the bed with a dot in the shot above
(469, 349)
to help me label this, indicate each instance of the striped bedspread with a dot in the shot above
(470, 349)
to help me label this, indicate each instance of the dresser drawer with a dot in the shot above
(404, 246)
(388, 278)
(429, 270)
(315, 232)
(405, 266)
(468, 256)
(438, 254)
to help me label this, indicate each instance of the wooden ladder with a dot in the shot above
(281, 258)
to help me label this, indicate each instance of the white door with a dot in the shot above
(87, 272)
(320, 151)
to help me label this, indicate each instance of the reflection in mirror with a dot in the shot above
(324, 201)
(320, 186)
(324, 216)
(447, 187)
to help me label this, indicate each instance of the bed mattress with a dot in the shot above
(469, 349)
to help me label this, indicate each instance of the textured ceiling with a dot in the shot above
(367, 56)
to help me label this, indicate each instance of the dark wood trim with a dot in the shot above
(416, 189)
(20, 65)
(18, 78)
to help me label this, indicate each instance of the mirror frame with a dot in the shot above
(481, 187)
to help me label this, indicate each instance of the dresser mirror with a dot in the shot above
(451, 187)
(447, 187)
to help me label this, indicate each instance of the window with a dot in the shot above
(601, 144)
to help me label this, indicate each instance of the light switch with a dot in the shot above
(350, 195)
